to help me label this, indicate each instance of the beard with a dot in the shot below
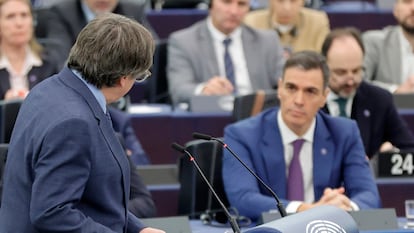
(407, 28)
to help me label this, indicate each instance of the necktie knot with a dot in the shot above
(227, 42)
(297, 145)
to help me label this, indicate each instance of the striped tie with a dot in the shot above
(228, 63)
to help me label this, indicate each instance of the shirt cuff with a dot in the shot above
(293, 207)
(199, 88)
(354, 206)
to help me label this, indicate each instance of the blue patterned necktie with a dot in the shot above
(228, 63)
(342, 106)
(295, 190)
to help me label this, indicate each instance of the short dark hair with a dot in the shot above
(308, 60)
(341, 32)
(109, 47)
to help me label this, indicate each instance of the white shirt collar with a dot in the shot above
(31, 61)
(219, 36)
(288, 136)
(89, 15)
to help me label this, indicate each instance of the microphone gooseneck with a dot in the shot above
(279, 204)
(232, 219)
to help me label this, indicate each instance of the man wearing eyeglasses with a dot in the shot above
(66, 170)
(371, 107)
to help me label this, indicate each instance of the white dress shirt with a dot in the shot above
(241, 74)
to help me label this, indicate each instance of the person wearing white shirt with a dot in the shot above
(389, 57)
(197, 56)
(330, 168)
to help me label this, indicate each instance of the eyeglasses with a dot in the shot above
(142, 77)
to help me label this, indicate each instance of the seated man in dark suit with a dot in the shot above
(370, 106)
(69, 17)
(307, 157)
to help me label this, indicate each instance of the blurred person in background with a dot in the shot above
(23, 62)
(222, 56)
(380, 125)
(299, 28)
(389, 57)
(69, 17)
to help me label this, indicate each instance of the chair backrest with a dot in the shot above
(249, 105)
(3, 155)
(195, 196)
(158, 83)
(8, 114)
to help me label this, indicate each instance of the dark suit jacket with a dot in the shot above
(122, 124)
(66, 170)
(140, 200)
(338, 160)
(67, 20)
(35, 76)
(378, 120)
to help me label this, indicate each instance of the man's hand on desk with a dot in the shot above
(217, 86)
(330, 196)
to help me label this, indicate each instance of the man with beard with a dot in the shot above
(389, 59)
(353, 98)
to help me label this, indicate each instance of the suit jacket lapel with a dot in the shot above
(362, 114)
(393, 48)
(4, 82)
(274, 155)
(105, 126)
(248, 41)
(207, 50)
(323, 156)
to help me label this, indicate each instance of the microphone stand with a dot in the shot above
(232, 219)
(279, 204)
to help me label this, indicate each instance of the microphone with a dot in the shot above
(232, 219)
(279, 204)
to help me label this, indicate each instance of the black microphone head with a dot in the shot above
(178, 147)
(202, 136)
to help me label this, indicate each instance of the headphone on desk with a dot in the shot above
(219, 218)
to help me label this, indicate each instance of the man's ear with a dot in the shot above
(122, 81)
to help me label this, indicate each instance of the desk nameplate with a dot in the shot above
(396, 164)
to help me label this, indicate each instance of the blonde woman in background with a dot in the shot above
(23, 62)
